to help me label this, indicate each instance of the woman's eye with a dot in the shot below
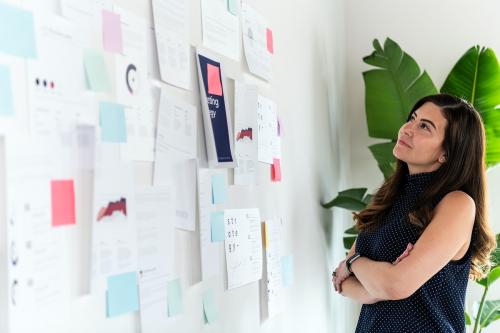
(424, 125)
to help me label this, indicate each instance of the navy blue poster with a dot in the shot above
(212, 81)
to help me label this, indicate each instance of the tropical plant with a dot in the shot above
(391, 90)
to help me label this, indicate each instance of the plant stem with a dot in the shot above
(480, 310)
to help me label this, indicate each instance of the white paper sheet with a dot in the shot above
(114, 239)
(273, 282)
(267, 122)
(38, 277)
(210, 252)
(245, 122)
(171, 19)
(155, 242)
(257, 55)
(243, 246)
(176, 128)
(221, 29)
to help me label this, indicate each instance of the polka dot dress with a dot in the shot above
(438, 305)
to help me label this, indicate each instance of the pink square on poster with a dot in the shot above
(270, 45)
(63, 202)
(214, 84)
(111, 32)
(276, 170)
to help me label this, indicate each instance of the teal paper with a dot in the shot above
(122, 294)
(219, 189)
(232, 6)
(174, 294)
(6, 106)
(112, 122)
(209, 307)
(287, 270)
(217, 226)
(17, 32)
(96, 73)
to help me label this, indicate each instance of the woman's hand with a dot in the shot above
(341, 273)
(406, 252)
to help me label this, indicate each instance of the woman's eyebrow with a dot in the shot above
(426, 120)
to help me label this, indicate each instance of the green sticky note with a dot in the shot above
(233, 7)
(209, 307)
(217, 226)
(17, 32)
(96, 73)
(174, 295)
(112, 122)
(6, 106)
(287, 270)
(219, 189)
(122, 294)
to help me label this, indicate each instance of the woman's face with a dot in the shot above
(420, 139)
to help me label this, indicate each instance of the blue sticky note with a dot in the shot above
(96, 73)
(122, 294)
(112, 122)
(6, 106)
(219, 189)
(209, 307)
(217, 226)
(17, 32)
(232, 6)
(287, 270)
(174, 295)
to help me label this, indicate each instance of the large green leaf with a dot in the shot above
(467, 318)
(392, 90)
(385, 159)
(490, 312)
(476, 78)
(348, 241)
(351, 199)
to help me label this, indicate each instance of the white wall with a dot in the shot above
(309, 89)
(436, 34)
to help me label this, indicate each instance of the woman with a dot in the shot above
(425, 231)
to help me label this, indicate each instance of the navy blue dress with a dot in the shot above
(438, 305)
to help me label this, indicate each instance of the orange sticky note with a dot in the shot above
(63, 202)
(269, 34)
(214, 84)
(276, 170)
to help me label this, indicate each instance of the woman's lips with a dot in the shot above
(401, 142)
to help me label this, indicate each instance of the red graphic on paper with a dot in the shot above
(269, 38)
(244, 133)
(214, 84)
(113, 206)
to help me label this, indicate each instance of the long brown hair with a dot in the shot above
(465, 170)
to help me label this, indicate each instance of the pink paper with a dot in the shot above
(63, 202)
(276, 170)
(214, 84)
(111, 32)
(270, 46)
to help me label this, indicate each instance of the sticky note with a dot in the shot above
(112, 122)
(6, 105)
(287, 270)
(232, 6)
(214, 83)
(174, 294)
(111, 32)
(209, 307)
(276, 170)
(269, 38)
(217, 226)
(63, 202)
(122, 294)
(17, 32)
(96, 73)
(219, 189)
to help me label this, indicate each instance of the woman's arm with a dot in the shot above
(353, 289)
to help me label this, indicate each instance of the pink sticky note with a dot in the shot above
(214, 84)
(276, 170)
(111, 32)
(63, 202)
(269, 38)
